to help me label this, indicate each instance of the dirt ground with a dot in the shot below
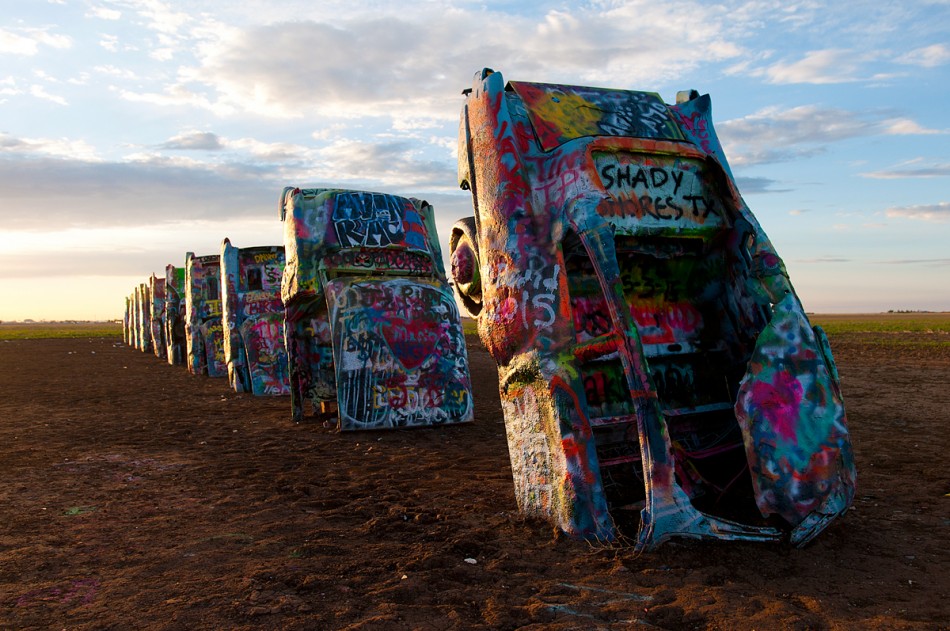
(135, 496)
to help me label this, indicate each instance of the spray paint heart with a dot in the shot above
(411, 341)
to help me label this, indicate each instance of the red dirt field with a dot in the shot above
(133, 496)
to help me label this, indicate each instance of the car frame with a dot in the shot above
(143, 322)
(373, 330)
(156, 291)
(176, 347)
(204, 335)
(653, 357)
(254, 319)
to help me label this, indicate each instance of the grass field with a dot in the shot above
(45, 330)
(937, 324)
(917, 331)
(883, 322)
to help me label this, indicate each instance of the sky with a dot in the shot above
(133, 131)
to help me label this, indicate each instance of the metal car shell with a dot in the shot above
(653, 356)
(254, 319)
(157, 315)
(372, 326)
(143, 320)
(176, 347)
(204, 336)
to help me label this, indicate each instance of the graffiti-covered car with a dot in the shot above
(254, 319)
(143, 320)
(372, 325)
(127, 316)
(204, 337)
(156, 290)
(176, 346)
(658, 374)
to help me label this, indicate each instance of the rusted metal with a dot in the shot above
(176, 346)
(371, 323)
(254, 319)
(658, 374)
(204, 336)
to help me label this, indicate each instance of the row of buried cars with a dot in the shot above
(352, 316)
(658, 374)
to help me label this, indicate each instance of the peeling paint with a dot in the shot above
(254, 319)
(658, 374)
(176, 351)
(372, 328)
(204, 336)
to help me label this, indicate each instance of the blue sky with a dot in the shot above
(133, 131)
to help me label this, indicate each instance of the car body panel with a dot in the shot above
(347, 250)
(143, 320)
(253, 313)
(626, 292)
(125, 320)
(204, 335)
(792, 416)
(177, 348)
(402, 336)
(157, 315)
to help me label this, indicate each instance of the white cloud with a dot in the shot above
(109, 42)
(329, 131)
(238, 178)
(906, 127)
(916, 168)
(287, 70)
(249, 149)
(81, 79)
(8, 87)
(40, 92)
(179, 204)
(774, 134)
(411, 125)
(272, 151)
(39, 73)
(162, 18)
(171, 33)
(104, 13)
(120, 251)
(817, 66)
(749, 185)
(927, 56)
(394, 163)
(101, 194)
(629, 44)
(115, 71)
(925, 212)
(162, 54)
(27, 41)
(193, 141)
(413, 67)
(46, 147)
(177, 96)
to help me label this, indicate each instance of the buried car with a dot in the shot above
(143, 322)
(176, 347)
(658, 374)
(254, 319)
(372, 327)
(156, 290)
(204, 337)
(126, 315)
